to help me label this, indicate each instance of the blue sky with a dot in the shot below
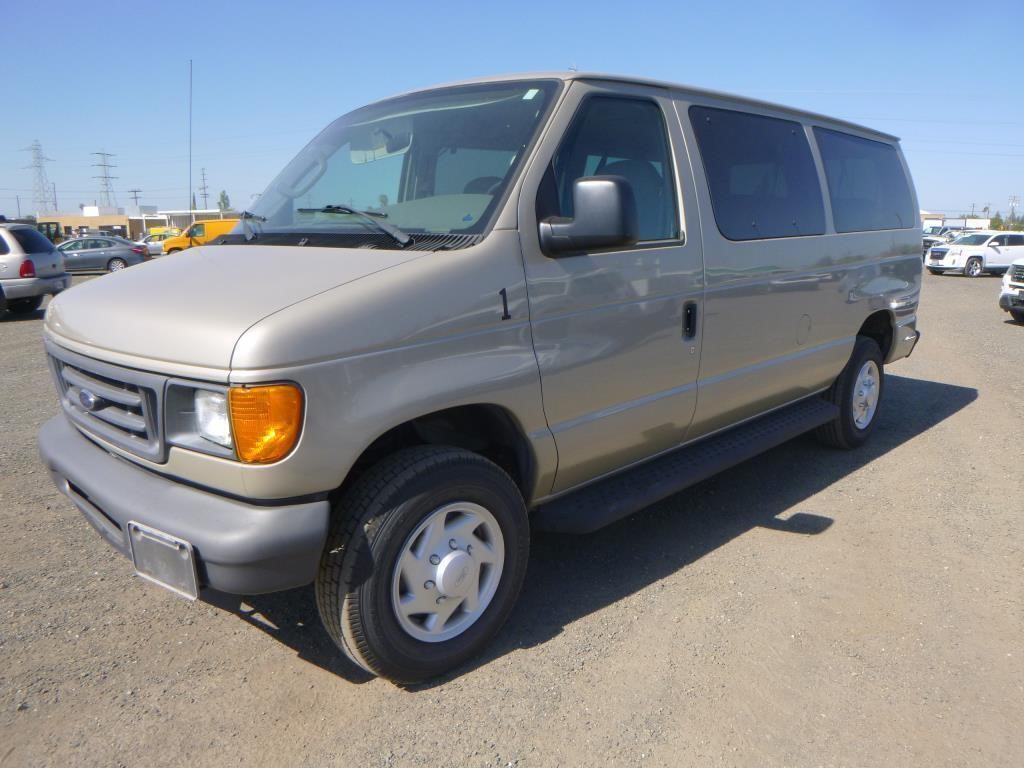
(111, 76)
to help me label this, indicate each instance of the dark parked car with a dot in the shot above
(94, 253)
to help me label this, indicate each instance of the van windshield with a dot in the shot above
(432, 164)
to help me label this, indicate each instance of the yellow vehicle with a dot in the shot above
(199, 233)
(163, 230)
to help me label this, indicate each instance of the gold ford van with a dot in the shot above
(469, 312)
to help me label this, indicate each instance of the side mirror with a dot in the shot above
(606, 217)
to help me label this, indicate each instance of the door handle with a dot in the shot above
(690, 320)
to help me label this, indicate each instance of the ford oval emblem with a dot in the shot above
(88, 400)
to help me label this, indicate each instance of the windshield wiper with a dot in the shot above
(400, 237)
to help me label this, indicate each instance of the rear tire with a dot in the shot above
(24, 306)
(392, 589)
(973, 267)
(857, 392)
(116, 265)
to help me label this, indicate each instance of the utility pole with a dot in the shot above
(106, 188)
(17, 200)
(40, 184)
(191, 206)
(972, 209)
(135, 195)
(1014, 201)
(203, 188)
(55, 208)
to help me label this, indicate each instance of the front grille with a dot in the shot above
(119, 405)
(1017, 273)
(938, 253)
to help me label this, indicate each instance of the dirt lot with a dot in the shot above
(809, 608)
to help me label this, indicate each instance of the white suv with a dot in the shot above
(977, 253)
(1011, 297)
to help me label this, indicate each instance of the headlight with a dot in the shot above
(212, 420)
(256, 424)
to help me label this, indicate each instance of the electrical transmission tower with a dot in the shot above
(203, 190)
(106, 188)
(41, 187)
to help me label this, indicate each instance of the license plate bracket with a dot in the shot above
(163, 559)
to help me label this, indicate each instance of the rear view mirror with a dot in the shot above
(605, 217)
(378, 141)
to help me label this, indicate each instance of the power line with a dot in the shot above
(106, 188)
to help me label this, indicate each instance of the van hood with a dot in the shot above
(190, 308)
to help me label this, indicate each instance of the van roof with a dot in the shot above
(676, 87)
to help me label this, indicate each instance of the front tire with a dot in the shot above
(424, 562)
(1017, 314)
(973, 267)
(857, 392)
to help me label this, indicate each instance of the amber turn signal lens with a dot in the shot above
(265, 421)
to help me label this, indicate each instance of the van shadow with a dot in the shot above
(572, 576)
(20, 317)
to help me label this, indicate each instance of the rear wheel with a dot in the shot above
(973, 267)
(857, 391)
(424, 561)
(116, 265)
(24, 306)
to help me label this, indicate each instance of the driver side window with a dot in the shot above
(613, 136)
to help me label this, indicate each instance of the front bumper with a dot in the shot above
(30, 287)
(241, 548)
(1010, 301)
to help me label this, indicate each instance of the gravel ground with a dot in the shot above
(808, 608)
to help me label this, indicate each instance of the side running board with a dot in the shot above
(605, 501)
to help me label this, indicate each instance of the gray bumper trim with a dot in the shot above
(242, 549)
(30, 287)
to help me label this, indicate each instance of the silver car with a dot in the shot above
(30, 268)
(154, 243)
(107, 253)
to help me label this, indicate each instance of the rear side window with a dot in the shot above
(1015, 240)
(31, 241)
(760, 173)
(4, 250)
(866, 183)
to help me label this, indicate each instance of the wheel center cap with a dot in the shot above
(453, 574)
